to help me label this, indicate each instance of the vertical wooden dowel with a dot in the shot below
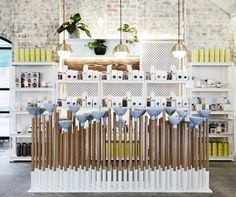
(98, 141)
(39, 142)
(120, 145)
(130, 142)
(152, 142)
(207, 145)
(114, 140)
(36, 143)
(109, 138)
(125, 147)
(204, 143)
(87, 148)
(157, 145)
(168, 145)
(47, 145)
(163, 140)
(146, 142)
(141, 144)
(61, 150)
(136, 144)
(93, 148)
(33, 144)
(50, 142)
(43, 142)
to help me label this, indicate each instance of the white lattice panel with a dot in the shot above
(157, 53)
(77, 89)
(121, 89)
(163, 89)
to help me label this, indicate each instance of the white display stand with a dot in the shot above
(19, 118)
(222, 72)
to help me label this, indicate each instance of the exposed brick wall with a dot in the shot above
(5, 19)
(33, 22)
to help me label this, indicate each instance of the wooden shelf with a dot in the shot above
(216, 112)
(33, 63)
(21, 158)
(211, 64)
(230, 158)
(33, 89)
(21, 135)
(211, 89)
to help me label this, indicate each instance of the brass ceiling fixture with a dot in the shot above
(121, 50)
(179, 50)
(64, 50)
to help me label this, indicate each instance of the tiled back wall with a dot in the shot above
(33, 23)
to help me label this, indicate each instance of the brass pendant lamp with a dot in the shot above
(64, 50)
(121, 50)
(179, 50)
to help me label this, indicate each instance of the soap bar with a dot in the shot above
(207, 55)
(17, 55)
(227, 55)
(48, 55)
(43, 55)
(22, 55)
(32, 55)
(27, 55)
(37, 55)
(201, 55)
(222, 55)
(217, 55)
(212, 55)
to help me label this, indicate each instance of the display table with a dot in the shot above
(104, 151)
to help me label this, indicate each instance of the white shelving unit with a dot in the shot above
(222, 72)
(20, 120)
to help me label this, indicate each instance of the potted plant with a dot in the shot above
(98, 46)
(74, 26)
(131, 30)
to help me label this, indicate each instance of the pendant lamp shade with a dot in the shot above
(64, 50)
(179, 50)
(121, 50)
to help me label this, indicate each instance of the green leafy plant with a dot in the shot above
(74, 24)
(96, 44)
(132, 30)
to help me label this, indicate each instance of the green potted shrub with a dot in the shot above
(98, 46)
(74, 26)
(130, 30)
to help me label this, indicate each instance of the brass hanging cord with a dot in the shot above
(120, 21)
(178, 21)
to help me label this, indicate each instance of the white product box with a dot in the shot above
(89, 101)
(96, 75)
(158, 75)
(164, 75)
(120, 75)
(163, 101)
(134, 101)
(179, 75)
(141, 75)
(158, 102)
(95, 101)
(73, 100)
(140, 102)
(227, 107)
(179, 101)
(116, 101)
(114, 74)
(185, 102)
(198, 107)
(185, 75)
(135, 74)
(90, 75)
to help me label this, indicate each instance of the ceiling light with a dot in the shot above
(64, 50)
(100, 21)
(121, 50)
(179, 50)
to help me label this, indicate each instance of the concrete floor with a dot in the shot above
(15, 181)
